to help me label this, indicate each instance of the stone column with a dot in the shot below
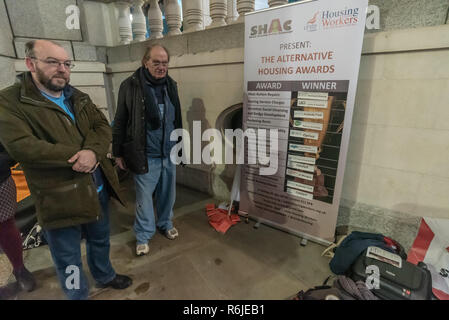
(207, 20)
(173, 17)
(244, 6)
(155, 20)
(218, 12)
(232, 11)
(275, 3)
(124, 22)
(139, 23)
(193, 19)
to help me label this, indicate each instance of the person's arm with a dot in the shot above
(99, 137)
(19, 141)
(120, 123)
(121, 163)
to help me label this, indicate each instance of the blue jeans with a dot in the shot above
(65, 247)
(161, 176)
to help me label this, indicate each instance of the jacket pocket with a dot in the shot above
(75, 201)
(135, 159)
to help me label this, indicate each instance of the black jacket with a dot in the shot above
(131, 121)
(5, 163)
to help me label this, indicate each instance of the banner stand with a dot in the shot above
(292, 232)
(301, 70)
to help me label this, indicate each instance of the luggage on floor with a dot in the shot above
(354, 244)
(391, 277)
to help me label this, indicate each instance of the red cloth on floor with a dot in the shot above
(219, 218)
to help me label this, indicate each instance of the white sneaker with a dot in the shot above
(171, 234)
(142, 249)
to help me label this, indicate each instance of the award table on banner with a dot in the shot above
(301, 69)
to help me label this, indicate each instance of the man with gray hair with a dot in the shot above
(61, 140)
(148, 111)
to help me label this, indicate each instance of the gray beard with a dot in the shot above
(46, 82)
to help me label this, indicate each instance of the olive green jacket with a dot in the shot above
(42, 137)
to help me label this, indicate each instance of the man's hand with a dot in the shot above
(85, 161)
(121, 163)
(95, 167)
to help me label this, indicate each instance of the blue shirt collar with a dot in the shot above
(68, 91)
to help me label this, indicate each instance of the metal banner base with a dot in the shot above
(306, 236)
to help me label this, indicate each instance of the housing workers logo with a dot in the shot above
(275, 27)
(330, 19)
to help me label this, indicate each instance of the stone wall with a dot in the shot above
(398, 150)
(407, 14)
(24, 20)
(100, 23)
(7, 51)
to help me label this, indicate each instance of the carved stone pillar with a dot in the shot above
(193, 19)
(124, 22)
(155, 20)
(207, 20)
(139, 23)
(275, 3)
(244, 6)
(218, 12)
(173, 17)
(232, 11)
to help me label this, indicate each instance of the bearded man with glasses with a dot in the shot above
(148, 111)
(61, 140)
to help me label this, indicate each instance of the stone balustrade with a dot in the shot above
(244, 6)
(193, 15)
(173, 17)
(222, 13)
(124, 22)
(218, 12)
(133, 26)
(274, 3)
(139, 24)
(155, 20)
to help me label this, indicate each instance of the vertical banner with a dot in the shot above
(301, 68)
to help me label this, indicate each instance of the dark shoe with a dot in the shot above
(119, 282)
(25, 279)
(9, 292)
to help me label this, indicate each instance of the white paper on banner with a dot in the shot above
(313, 103)
(431, 246)
(308, 114)
(313, 95)
(304, 134)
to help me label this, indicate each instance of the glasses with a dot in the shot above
(55, 63)
(158, 63)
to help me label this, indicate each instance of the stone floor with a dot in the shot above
(244, 263)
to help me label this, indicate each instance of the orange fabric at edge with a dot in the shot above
(21, 183)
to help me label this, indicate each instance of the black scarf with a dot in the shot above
(155, 82)
(152, 110)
